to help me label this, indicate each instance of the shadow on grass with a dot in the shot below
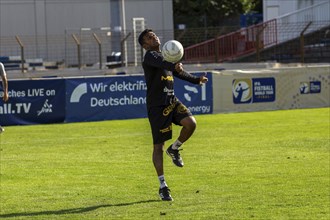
(72, 211)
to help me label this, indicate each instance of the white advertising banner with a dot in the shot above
(271, 89)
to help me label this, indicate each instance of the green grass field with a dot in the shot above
(262, 165)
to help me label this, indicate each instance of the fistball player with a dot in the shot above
(163, 106)
(5, 96)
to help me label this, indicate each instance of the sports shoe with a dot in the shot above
(175, 155)
(1, 129)
(164, 194)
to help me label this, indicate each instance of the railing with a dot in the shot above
(260, 36)
(227, 47)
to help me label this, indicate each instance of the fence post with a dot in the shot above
(79, 51)
(258, 41)
(123, 49)
(216, 49)
(100, 48)
(22, 52)
(302, 43)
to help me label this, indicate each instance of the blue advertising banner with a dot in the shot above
(91, 99)
(105, 98)
(33, 102)
(124, 97)
(198, 98)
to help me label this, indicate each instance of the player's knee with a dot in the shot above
(193, 125)
(190, 123)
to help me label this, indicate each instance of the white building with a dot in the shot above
(46, 26)
(295, 16)
(276, 8)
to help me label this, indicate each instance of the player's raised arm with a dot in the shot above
(4, 82)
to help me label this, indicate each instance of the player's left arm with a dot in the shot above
(184, 75)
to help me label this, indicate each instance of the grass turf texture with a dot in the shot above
(263, 165)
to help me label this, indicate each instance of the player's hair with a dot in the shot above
(141, 40)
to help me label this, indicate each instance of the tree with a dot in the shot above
(252, 6)
(207, 13)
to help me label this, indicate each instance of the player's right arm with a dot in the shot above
(153, 58)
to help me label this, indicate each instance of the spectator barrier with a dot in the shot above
(33, 102)
(271, 89)
(91, 99)
(123, 97)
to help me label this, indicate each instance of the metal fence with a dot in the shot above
(80, 48)
(234, 44)
(92, 47)
(254, 40)
(75, 48)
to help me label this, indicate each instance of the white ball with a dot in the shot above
(172, 51)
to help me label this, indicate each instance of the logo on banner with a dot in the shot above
(310, 87)
(196, 98)
(189, 89)
(253, 90)
(194, 90)
(46, 108)
(78, 92)
(242, 91)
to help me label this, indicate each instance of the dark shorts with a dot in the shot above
(162, 117)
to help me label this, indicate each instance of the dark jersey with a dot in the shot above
(159, 78)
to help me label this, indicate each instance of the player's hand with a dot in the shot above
(203, 79)
(5, 97)
(178, 67)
